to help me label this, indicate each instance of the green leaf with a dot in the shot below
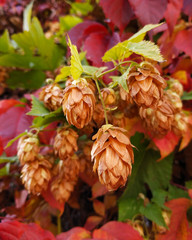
(81, 8)
(159, 197)
(65, 72)
(29, 80)
(120, 51)
(69, 21)
(175, 192)
(15, 139)
(128, 208)
(146, 49)
(27, 17)
(188, 184)
(187, 96)
(43, 121)
(4, 171)
(139, 36)
(8, 159)
(5, 44)
(153, 212)
(122, 80)
(38, 108)
(76, 67)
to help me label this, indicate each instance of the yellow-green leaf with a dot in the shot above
(76, 67)
(65, 72)
(146, 49)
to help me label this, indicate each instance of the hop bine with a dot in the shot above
(65, 142)
(112, 154)
(78, 103)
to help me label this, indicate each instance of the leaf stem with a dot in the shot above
(102, 101)
(58, 224)
(108, 71)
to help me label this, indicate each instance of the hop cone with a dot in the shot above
(176, 87)
(113, 156)
(108, 95)
(160, 119)
(65, 142)
(65, 178)
(78, 103)
(145, 85)
(36, 175)
(180, 123)
(27, 148)
(52, 96)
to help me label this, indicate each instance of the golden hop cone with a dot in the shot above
(180, 123)
(90, 83)
(78, 103)
(27, 148)
(176, 87)
(160, 119)
(108, 95)
(52, 96)
(145, 85)
(65, 178)
(36, 175)
(98, 115)
(65, 142)
(174, 99)
(113, 156)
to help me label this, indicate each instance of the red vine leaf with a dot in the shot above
(187, 7)
(76, 233)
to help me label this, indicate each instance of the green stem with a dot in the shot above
(58, 224)
(102, 101)
(108, 71)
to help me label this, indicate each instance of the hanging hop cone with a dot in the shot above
(174, 99)
(27, 148)
(108, 96)
(65, 142)
(112, 154)
(158, 120)
(145, 85)
(78, 103)
(176, 86)
(180, 123)
(65, 178)
(36, 175)
(52, 96)
(98, 115)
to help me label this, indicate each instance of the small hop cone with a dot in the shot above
(145, 85)
(65, 143)
(65, 178)
(180, 124)
(78, 103)
(176, 87)
(160, 119)
(174, 99)
(27, 148)
(108, 96)
(52, 96)
(36, 175)
(112, 154)
(98, 115)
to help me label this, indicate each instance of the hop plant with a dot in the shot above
(28, 148)
(65, 176)
(112, 154)
(36, 175)
(176, 86)
(65, 142)
(52, 96)
(108, 95)
(78, 103)
(145, 85)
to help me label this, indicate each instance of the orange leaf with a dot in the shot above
(187, 135)
(179, 226)
(98, 190)
(167, 144)
(181, 76)
(92, 222)
(99, 207)
(76, 233)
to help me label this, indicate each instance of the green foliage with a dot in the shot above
(27, 17)
(4, 159)
(126, 48)
(82, 8)
(32, 79)
(69, 21)
(38, 108)
(175, 192)
(187, 96)
(146, 170)
(65, 72)
(5, 44)
(4, 171)
(121, 80)
(15, 139)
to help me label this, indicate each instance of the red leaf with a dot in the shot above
(119, 12)
(46, 136)
(179, 226)
(76, 233)
(167, 144)
(102, 235)
(119, 231)
(149, 11)
(187, 7)
(14, 230)
(20, 198)
(92, 222)
(13, 121)
(2, 2)
(98, 190)
(48, 196)
(172, 13)
(183, 41)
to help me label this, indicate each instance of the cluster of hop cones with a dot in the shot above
(112, 151)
